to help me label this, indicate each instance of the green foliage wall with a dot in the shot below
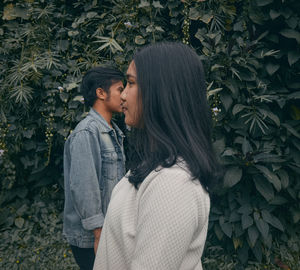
(251, 53)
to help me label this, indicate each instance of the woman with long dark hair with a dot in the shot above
(158, 214)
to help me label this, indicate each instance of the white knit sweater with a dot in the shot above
(160, 226)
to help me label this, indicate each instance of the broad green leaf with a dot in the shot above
(253, 235)
(91, 14)
(295, 215)
(22, 193)
(264, 188)
(157, 4)
(232, 176)
(194, 14)
(143, 4)
(284, 178)
(70, 86)
(218, 231)
(263, 227)
(206, 18)
(274, 14)
(226, 100)
(139, 40)
(234, 217)
(219, 146)
(257, 251)
(262, 3)
(19, 222)
(247, 221)
(275, 222)
(246, 147)
(291, 33)
(295, 95)
(22, 210)
(238, 108)
(291, 130)
(272, 177)
(293, 57)
(245, 209)
(272, 68)
(226, 227)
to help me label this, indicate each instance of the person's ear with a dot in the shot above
(101, 94)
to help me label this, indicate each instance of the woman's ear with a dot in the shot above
(101, 94)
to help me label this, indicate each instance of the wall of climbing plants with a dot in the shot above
(251, 53)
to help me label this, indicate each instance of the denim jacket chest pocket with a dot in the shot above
(109, 164)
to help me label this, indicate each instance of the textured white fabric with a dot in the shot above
(160, 226)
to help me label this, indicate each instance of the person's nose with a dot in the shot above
(123, 94)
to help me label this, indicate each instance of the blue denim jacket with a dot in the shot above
(94, 162)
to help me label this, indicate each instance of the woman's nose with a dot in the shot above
(123, 94)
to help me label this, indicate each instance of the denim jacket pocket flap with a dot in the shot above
(109, 163)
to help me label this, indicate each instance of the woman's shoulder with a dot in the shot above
(173, 179)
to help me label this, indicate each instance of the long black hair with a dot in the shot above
(175, 118)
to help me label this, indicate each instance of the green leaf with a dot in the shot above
(144, 3)
(291, 33)
(19, 222)
(139, 40)
(238, 108)
(157, 4)
(246, 147)
(274, 14)
(264, 188)
(262, 3)
(194, 14)
(263, 227)
(291, 130)
(226, 100)
(219, 146)
(295, 215)
(206, 18)
(257, 251)
(91, 14)
(293, 57)
(232, 176)
(295, 95)
(218, 231)
(284, 178)
(247, 221)
(272, 68)
(253, 235)
(226, 227)
(275, 222)
(245, 209)
(272, 177)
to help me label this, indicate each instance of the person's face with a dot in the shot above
(113, 99)
(130, 99)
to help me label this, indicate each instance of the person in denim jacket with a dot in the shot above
(94, 162)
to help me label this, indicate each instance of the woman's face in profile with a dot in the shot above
(129, 97)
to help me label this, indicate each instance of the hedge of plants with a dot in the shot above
(251, 53)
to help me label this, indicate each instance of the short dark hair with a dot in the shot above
(176, 119)
(98, 77)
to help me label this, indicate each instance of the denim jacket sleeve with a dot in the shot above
(84, 178)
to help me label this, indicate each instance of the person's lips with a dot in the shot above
(124, 109)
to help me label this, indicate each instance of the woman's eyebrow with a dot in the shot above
(128, 76)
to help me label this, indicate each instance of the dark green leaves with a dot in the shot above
(264, 188)
(291, 33)
(232, 176)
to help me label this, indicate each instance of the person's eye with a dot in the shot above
(130, 83)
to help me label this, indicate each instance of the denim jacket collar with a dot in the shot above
(97, 116)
